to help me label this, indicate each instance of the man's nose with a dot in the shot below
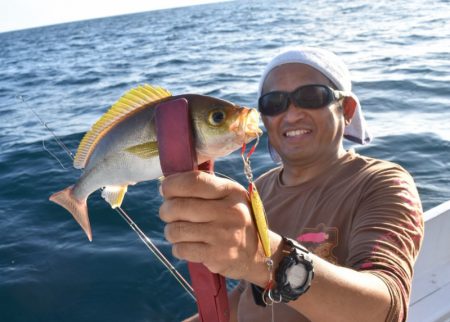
(294, 113)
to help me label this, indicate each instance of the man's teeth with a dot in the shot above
(297, 132)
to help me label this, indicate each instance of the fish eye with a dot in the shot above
(216, 117)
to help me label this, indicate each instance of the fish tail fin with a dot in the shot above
(78, 208)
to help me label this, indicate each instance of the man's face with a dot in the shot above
(303, 136)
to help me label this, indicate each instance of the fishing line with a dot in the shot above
(53, 155)
(152, 247)
(60, 143)
(146, 240)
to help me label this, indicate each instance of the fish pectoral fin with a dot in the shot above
(145, 150)
(114, 195)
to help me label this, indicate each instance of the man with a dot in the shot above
(345, 229)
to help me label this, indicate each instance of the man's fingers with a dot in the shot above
(195, 184)
(208, 233)
(208, 220)
(191, 252)
(183, 231)
(216, 259)
(193, 318)
(188, 209)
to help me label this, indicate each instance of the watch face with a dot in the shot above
(296, 276)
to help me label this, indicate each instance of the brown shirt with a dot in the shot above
(361, 213)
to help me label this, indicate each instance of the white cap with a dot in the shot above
(336, 71)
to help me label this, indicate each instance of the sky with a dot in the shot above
(23, 14)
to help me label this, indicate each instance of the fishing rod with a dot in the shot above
(142, 236)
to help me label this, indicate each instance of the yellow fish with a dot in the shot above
(121, 148)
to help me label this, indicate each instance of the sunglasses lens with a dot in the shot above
(273, 103)
(312, 96)
(309, 97)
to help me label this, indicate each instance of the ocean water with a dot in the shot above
(397, 51)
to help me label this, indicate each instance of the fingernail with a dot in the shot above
(161, 179)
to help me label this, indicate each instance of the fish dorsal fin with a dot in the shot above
(128, 103)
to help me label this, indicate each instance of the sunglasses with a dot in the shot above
(310, 97)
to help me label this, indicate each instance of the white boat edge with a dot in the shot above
(430, 298)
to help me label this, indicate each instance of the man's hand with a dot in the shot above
(209, 221)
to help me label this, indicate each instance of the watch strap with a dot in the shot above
(296, 255)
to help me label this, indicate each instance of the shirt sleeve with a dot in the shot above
(387, 231)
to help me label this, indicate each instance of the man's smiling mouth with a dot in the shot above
(294, 133)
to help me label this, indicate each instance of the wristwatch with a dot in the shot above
(294, 273)
(293, 276)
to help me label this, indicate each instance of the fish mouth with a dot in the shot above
(248, 124)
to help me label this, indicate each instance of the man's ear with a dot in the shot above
(349, 105)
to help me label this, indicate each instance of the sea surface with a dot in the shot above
(399, 57)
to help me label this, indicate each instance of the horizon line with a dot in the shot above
(18, 29)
